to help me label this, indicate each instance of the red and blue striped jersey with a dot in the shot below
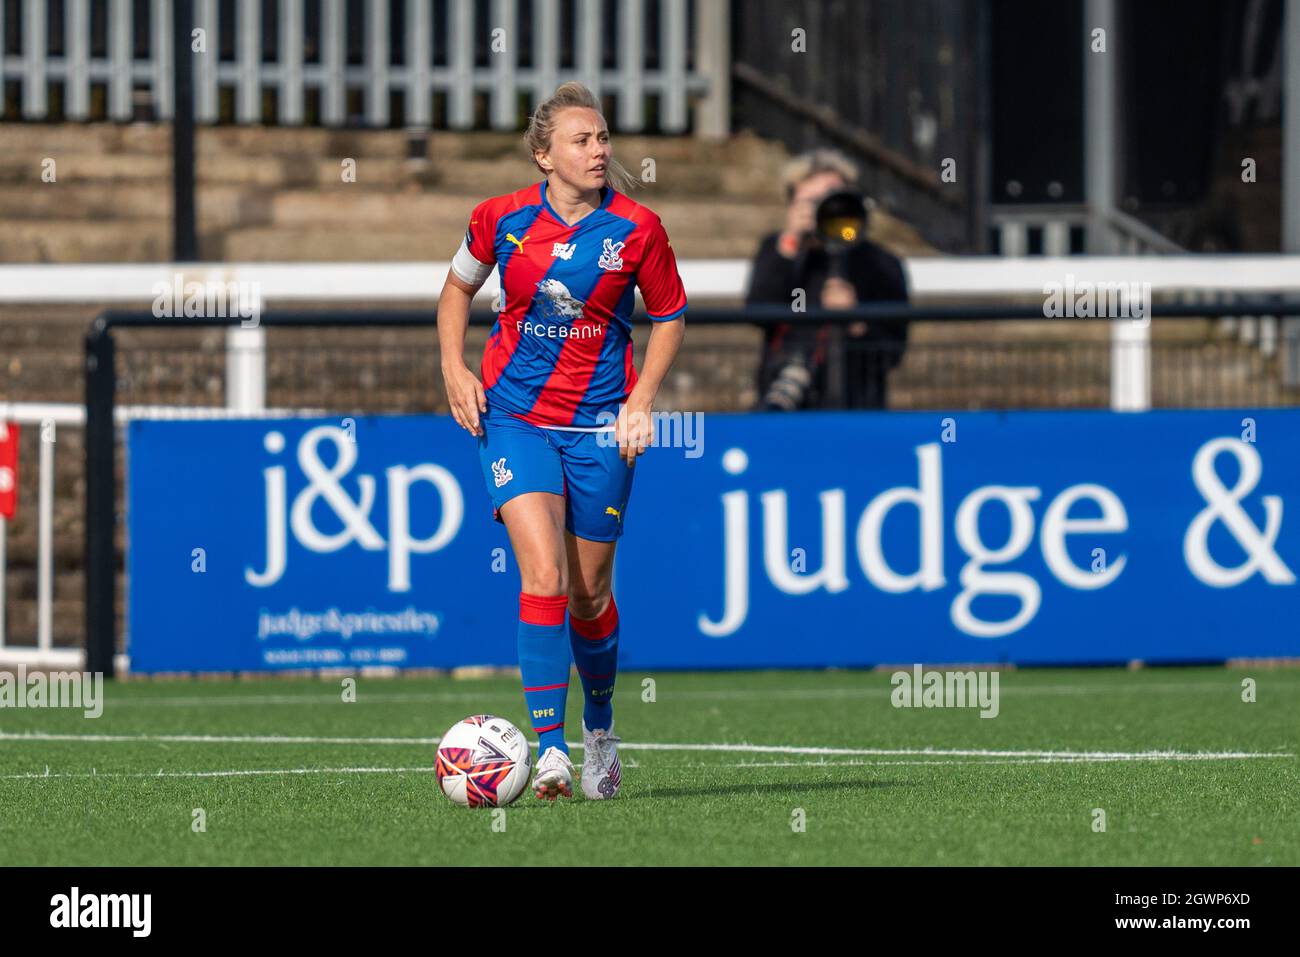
(560, 352)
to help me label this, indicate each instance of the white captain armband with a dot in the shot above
(468, 269)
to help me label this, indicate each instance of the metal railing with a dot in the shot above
(306, 62)
(323, 362)
(102, 389)
(46, 418)
(1064, 230)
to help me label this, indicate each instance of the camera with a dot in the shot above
(789, 390)
(840, 223)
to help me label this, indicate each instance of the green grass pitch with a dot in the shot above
(1185, 771)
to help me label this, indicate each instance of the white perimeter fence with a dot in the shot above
(1190, 280)
(309, 58)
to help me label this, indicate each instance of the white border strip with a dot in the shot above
(271, 772)
(1165, 755)
(971, 276)
(252, 772)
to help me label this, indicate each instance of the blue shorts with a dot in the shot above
(517, 457)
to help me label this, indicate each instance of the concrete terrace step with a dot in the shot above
(344, 223)
(127, 142)
(53, 139)
(335, 245)
(107, 151)
(400, 245)
(111, 138)
(219, 207)
(278, 194)
(28, 241)
(108, 139)
(82, 167)
(436, 211)
(479, 178)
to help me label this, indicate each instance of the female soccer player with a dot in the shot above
(560, 412)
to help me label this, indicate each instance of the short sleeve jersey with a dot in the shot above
(560, 352)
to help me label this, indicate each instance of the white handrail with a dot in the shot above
(968, 277)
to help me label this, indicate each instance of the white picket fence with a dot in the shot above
(417, 79)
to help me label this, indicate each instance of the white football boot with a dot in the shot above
(601, 770)
(554, 775)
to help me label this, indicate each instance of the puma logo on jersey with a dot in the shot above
(609, 258)
(500, 474)
(611, 510)
(510, 237)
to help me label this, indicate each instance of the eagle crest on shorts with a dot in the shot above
(500, 474)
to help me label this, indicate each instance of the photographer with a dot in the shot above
(793, 374)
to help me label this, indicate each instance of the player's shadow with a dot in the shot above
(784, 787)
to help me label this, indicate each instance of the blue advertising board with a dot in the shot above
(751, 541)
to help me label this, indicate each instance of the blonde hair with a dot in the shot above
(541, 126)
(810, 164)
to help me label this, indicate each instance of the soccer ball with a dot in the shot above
(483, 761)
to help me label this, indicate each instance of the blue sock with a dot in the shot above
(544, 666)
(595, 652)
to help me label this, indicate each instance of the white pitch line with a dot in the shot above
(1007, 687)
(960, 752)
(1169, 755)
(872, 692)
(271, 772)
(401, 697)
(259, 772)
(207, 738)
(1056, 759)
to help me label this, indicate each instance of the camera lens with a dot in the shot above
(789, 389)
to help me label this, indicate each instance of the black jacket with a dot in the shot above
(876, 275)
